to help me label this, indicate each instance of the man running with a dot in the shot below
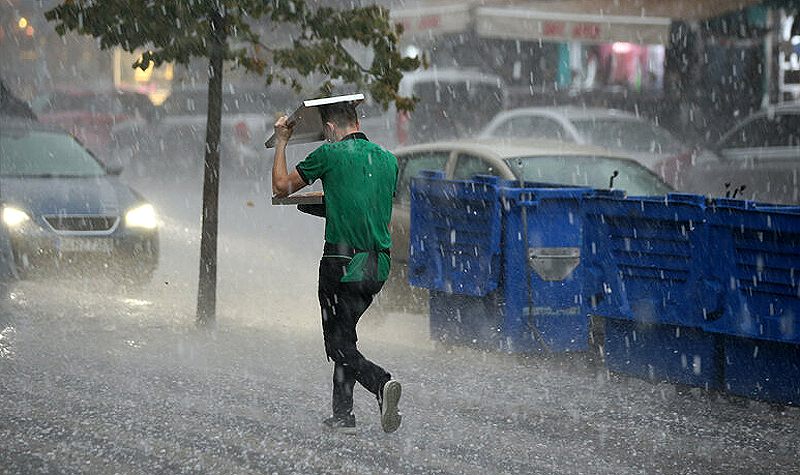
(359, 180)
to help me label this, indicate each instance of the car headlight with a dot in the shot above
(14, 217)
(143, 216)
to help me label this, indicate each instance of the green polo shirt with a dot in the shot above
(359, 180)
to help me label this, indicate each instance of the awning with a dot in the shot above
(673, 9)
(527, 23)
(433, 19)
(598, 21)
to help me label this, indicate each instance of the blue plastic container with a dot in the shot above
(648, 258)
(501, 256)
(648, 261)
(757, 260)
(691, 291)
(455, 238)
(542, 237)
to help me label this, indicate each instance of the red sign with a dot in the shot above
(553, 28)
(586, 30)
(429, 22)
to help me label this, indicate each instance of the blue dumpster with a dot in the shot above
(648, 259)
(455, 238)
(647, 276)
(455, 253)
(542, 240)
(689, 290)
(758, 258)
(501, 261)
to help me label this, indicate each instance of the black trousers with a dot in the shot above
(342, 305)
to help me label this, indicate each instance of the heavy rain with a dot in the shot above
(572, 228)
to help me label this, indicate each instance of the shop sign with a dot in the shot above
(519, 23)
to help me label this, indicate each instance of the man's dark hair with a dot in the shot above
(343, 114)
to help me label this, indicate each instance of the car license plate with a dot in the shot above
(85, 245)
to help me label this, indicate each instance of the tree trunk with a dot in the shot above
(207, 285)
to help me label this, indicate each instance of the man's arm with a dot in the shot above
(283, 182)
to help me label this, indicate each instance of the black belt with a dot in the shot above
(343, 250)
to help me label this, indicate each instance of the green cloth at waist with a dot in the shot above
(371, 265)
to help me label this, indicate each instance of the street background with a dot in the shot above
(100, 379)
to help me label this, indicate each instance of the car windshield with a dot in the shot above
(627, 134)
(781, 130)
(591, 171)
(45, 154)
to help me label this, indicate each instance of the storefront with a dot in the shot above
(431, 29)
(426, 21)
(156, 83)
(593, 50)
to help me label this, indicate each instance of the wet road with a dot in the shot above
(97, 380)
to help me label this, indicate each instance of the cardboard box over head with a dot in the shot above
(307, 120)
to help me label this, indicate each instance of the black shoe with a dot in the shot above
(343, 424)
(390, 397)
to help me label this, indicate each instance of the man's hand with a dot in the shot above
(283, 182)
(283, 129)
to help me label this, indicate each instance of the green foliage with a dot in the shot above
(179, 30)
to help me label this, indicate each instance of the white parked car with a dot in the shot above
(452, 103)
(637, 138)
(760, 159)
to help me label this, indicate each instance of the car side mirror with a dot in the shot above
(114, 170)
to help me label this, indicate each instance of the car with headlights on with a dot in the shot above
(63, 209)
